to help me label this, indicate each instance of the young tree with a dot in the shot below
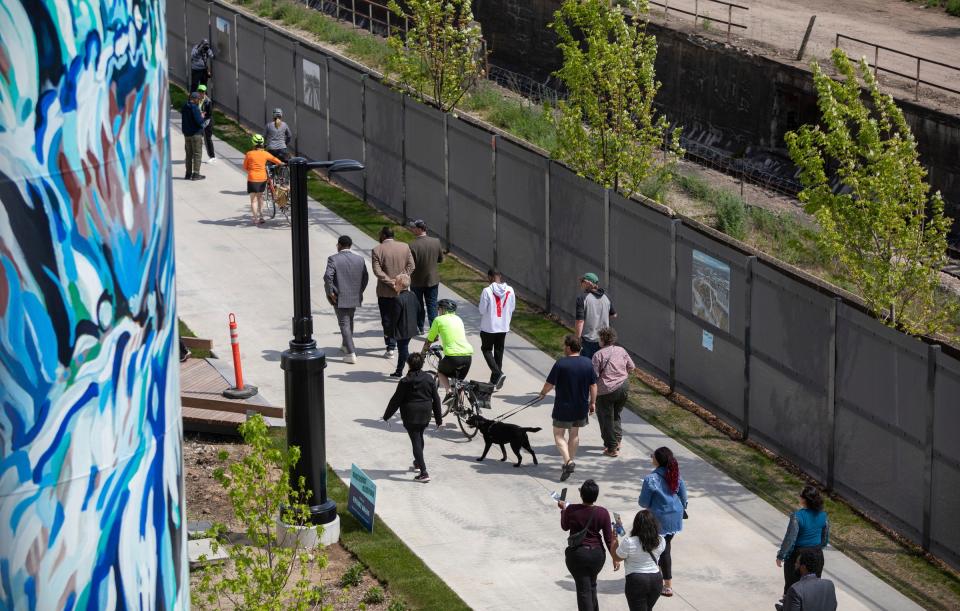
(264, 571)
(607, 129)
(442, 54)
(885, 230)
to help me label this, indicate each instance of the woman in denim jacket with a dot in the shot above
(665, 495)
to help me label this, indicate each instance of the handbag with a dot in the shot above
(575, 540)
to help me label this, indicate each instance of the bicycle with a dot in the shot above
(468, 397)
(278, 191)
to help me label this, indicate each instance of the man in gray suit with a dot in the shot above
(344, 282)
(811, 593)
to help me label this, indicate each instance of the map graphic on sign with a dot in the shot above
(362, 499)
(711, 290)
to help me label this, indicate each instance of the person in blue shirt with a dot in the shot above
(665, 495)
(808, 531)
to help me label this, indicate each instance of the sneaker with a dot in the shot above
(778, 606)
(188, 177)
(212, 160)
(500, 381)
(390, 353)
(565, 471)
(396, 374)
(197, 177)
(448, 398)
(414, 467)
(351, 359)
(423, 478)
(611, 452)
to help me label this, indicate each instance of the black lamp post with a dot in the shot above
(303, 363)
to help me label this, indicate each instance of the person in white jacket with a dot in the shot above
(497, 303)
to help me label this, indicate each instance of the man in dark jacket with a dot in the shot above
(192, 125)
(416, 396)
(425, 280)
(811, 593)
(405, 320)
(206, 109)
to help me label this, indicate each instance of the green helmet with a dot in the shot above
(257, 140)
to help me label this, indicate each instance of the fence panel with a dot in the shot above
(470, 164)
(177, 41)
(880, 419)
(250, 58)
(198, 22)
(790, 368)
(521, 218)
(944, 534)
(576, 237)
(424, 172)
(281, 77)
(312, 140)
(711, 303)
(640, 269)
(223, 89)
(346, 120)
(383, 129)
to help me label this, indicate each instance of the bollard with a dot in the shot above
(240, 390)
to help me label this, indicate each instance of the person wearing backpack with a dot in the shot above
(590, 528)
(641, 555)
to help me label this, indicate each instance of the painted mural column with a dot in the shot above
(91, 496)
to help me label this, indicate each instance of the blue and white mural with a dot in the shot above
(91, 497)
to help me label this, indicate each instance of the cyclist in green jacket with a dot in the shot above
(457, 351)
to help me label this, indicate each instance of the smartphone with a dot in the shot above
(563, 494)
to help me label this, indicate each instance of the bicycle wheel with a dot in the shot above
(463, 414)
(269, 208)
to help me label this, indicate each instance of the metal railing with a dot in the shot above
(703, 17)
(370, 15)
(916, 77)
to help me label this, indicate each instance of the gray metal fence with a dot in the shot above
(870, 412)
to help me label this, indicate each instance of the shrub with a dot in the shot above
(374, 596)
(953, 7)
(731, 214)
(352, 577)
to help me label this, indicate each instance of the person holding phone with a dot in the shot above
(416, 396)
(641, 553)
(589, 528)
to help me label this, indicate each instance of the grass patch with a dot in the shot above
(389, 559)
(185, 331)
(904, 566)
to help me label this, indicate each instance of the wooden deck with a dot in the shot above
(205, 409)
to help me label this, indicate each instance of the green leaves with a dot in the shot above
(607, 129)
(265, 571)
(863, 181)
(442, 55)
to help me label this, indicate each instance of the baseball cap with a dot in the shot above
(201, 87)
(418, 223)
(590, 277)
(194, 96)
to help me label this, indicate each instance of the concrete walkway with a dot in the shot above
(489, 530)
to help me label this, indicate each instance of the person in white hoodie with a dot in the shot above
(497, 303)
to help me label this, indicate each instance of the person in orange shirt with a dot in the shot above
(255, 163)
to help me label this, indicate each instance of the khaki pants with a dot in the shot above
(194, 148)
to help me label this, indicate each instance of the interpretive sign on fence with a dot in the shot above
(362, 498)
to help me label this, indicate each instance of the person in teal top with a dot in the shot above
(809, 530)
(457, 351)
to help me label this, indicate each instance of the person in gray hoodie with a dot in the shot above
(594, 311)
(497, 303)
(277, 136)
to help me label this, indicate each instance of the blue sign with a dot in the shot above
(362, 498)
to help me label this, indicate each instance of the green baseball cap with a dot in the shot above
(590, 277)
(201, 87)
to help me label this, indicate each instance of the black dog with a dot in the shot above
(501, 433)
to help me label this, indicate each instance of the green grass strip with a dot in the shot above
(924, 579)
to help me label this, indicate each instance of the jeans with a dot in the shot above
(345, 320)
(427, 297)
(388, 308)
(584, 563)
(666, 562)
(790, 574)
(609, 407)
(403, 351)
(208, 140)
(643, 590)
(491, 345)
(193, 147)
(416, 440)
(589, 347)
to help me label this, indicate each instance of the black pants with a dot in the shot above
(643, 590)
(198, 77)
(208, 140)
(403, 351)
(455, 366)
(491, 345)
(388, 308)
(416, 440)
(584, 563)
(666, 562)
(790, 574)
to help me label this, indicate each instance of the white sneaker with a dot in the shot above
(212, 160)
(389, 354)
(351, 359)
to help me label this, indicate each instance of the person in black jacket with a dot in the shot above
(406, 310)
(192, 126)
(206, 109)
(415, 397)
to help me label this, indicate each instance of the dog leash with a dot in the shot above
(517, 410)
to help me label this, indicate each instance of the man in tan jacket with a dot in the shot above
(390, 258)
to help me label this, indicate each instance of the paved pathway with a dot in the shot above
(489, 530)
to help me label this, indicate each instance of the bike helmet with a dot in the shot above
(277, 112)
(447, 305)
(257, 140)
